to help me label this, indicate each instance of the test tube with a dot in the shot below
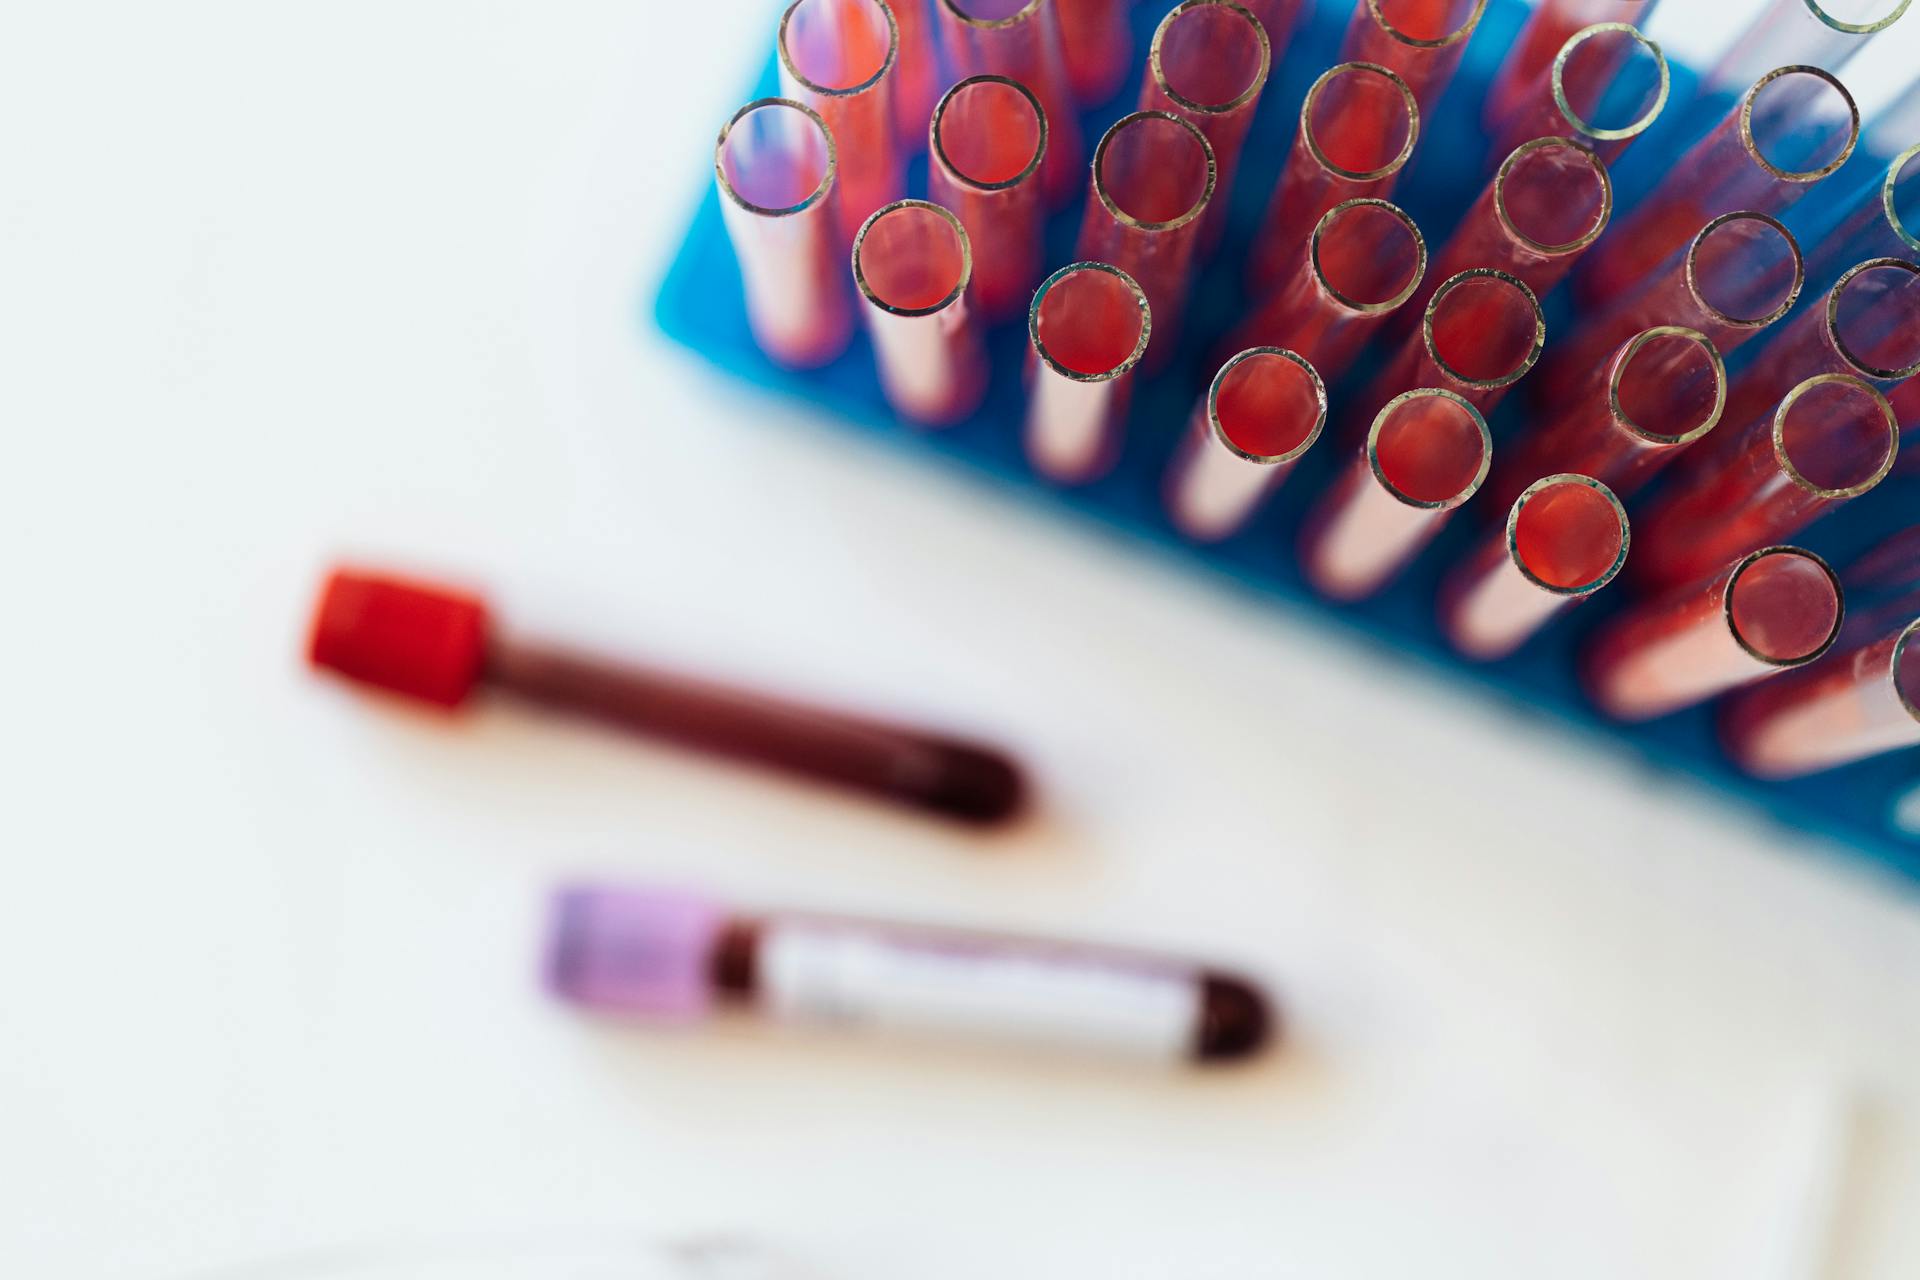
(1566, 537)
(1421, 40)
(1088, 326)
(1097, 41)
(1905, 399)
(1661, 391)
(775, 167)
(673, 957)
(1363, 262)
(1427, 452)
(838, 57)
(1882, 222)
(1605, 87)
(1770, 611)
(1794, 127)
(1548, 28)
(1277, 17)
(1358, 127)
(1479, 335)
(1857, 704)
(1153, 176)
(1832, 439)
(988, 138)
(916, 72)
(1262, 411)
(912, 264)
(1020, 39)
(1817, 33)
(1742, 273)
(1207, 64)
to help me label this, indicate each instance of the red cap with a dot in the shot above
(405, 637)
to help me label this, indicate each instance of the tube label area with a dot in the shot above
(956, 986)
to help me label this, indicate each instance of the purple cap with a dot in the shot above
(644, 951)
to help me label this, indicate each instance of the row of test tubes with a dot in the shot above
(1639, 388)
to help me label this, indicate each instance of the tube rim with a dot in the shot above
(1625, 355)
(1747, 562)
(1864, 369)
(939, 151)
(1793, 246)
(816, 196)
(1210, 109)
(1572, 246)
(1213, 414)
(1887, 202)
(1369, 308)
(991, 24)
(1793, 472)
(1373, 449)
(1908, 636)
(1465, 29)
(966, 258)
(787, 65)
(1797, 176)
(1574, 118)
(1126, 219)
(1040, 348)
(1820, 14)
(1484, 384)
(1513, 533)
(1321, 158)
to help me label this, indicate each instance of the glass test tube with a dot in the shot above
(1548, 28)
(1097, 41)
(1883, 221)
(916, 75)
(1605, 87)
(988, 137)
(1153, 176)
(1479, 335)
(1855, 705)
(1358, 127)
(1816, 33)
(1420, 40)
(1794, 127)
(1566, 537)
(1207, 64)
(1088, 326)
(1905, 399)
(1262, 411)
(1427, 452)
(1363, 262)
(1742, 273)
(1833, 438)
(1773, 610)
(838, 57)
(1020, 39)
(912, 263)
(775, 167)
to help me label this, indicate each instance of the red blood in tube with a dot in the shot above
(1268, 407)
(1090, 322)
(1569, 536)
(1430, 451)
(1785, 607)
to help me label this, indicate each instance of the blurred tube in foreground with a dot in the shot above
(1548, 28)
(1022, 42)
(1853, 706)
(1097, 41)
(1606, 87)
(1089, 325)
(1422, 41)
(1207, 64)
(673, 957)
(989, 136)
(912, 264)
(1262, 411)
(1882, 222)
(1815, 33)
(917, 77)
(838, 57)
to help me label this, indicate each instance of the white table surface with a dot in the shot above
(280, 283)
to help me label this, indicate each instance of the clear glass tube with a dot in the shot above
(838, 57)
(1833, 438)
(1905, 400)
(1020, 39)
(1742, 273)
(1097, 41)
(1548, 28)
(1153, 176)
(1207, 64)
(1770, 611)
(916, 76)
(1358, 127)
(1278, 17)
(775, 167)
(1605, 87)
(1427, 452)
(988, 138)
(1896, 124)
(1088, 326)
(912, 264)
(1479, 335)
(1262, 411)
(1363, 262)
(1793, 128)
(1855, 705)
(1881, 221)
(1566, 537)
(1815, 33)
(1421, 40)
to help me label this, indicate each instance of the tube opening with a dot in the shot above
(1267, 405)
(1610, 82)
(775, 157)
(1153, 171)
(1484, 328)
(1210, 56)
(912, 258)
(1784, 606)
(1089, 322)
(992, 13)
(1553, 195)
(1858, 17)
(1669, 386)
(1800, 123)
(1430, 448)
(1428, 23)
(1835, 436)
(1745, 270)
(1568, 534)
(1368, 255)
(989, 132)
(1906, 669)
(838, 47)
(1360, 121)
(1873, 314)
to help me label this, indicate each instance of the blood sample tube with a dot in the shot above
(916, 72)
(1427, 452)
(1794, 127)
(1566, 537)
(1358, 127)
(1882, 221)
(1815, 33)
(988, 137)
(912, 263)
(1661, 391)
(1742, 273)
(1772, 610)
(775, 167)
(1262, 411)
(1020, 39)
(438, 646)
(1857, 704)
(1089, 325)
(1479, 335)
(1832, 439)
(1548, 28)
(1421, 40)
(1606, 87)
(1153, 176)
(1207, 64)
(673, 956)
(838, 57)
(1097, 40)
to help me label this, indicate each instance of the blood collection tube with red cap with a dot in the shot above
(1261, 412)
(1420, 40)
(1020, 39)
(1546, 32)
(989, 137)
(912, 264)
(1088, 327)
(1606, 86)
(839, 57)
(1207, 64)
(440, 646)
(674, 957)
(1854, 705)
